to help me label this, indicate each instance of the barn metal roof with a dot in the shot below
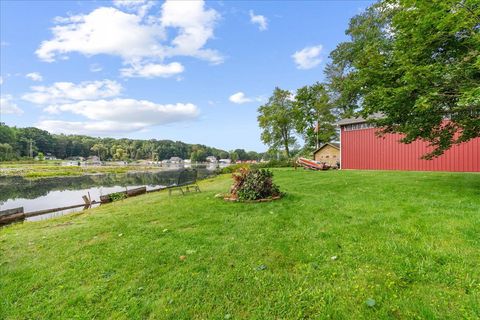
(344, 122)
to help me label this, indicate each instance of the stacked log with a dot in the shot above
(11, 215)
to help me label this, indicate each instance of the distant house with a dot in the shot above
(176, 160)
(94, 160)
(49, 156)
(225, 161)
(212, 159)
(76, 158)
(328, 153)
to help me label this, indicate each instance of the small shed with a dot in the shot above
(328, 153)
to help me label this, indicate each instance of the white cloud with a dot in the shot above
(34, 76)
(136, 38)
(152, 70)
(7, 106)
(96, 128)
(128, 110)
(141, 7)
(260, 20)
(195, 25)
(118, 115)
(64, 92)
(95, 67)
(103, 31)
(240, 98)
(308, 57)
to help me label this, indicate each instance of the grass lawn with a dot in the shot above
(408, 241)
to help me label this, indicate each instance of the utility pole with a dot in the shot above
(31, 151)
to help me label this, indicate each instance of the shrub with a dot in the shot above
(117, 196)
(276, 164)
(253, 184)
(270, 164)
(233, 168)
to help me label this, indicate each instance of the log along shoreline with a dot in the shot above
(9, 216)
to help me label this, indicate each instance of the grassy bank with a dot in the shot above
(407, 241)
(54, 169)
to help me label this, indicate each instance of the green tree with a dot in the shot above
(233, 156)
(223, 155)
(41, 156)
(252, 155)
(242, 154)
(6, 152)
(276, 119)
(417, 64)
(120, 154)
(314, 116)
(7, 134)
(100, 150)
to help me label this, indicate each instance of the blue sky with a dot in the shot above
(180, 70)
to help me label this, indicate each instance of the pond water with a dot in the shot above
(55, 192)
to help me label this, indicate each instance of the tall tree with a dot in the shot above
(276, 119)
(417, 63)
(100, 150)
(314, 116)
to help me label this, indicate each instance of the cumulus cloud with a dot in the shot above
(141, 7)
(64, 92)
(129, 110)
(103, 112)
(260, 20)
(7, 106)
(152, 70)
(183, 29)
(118, 115)
(103, 31)
(240, 98)
(308, 57)
(195, 25)
(34, 76)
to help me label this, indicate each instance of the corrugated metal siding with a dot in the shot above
(362, 149)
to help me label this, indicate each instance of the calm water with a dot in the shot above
(47, 193)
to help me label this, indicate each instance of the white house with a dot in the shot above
(212, 159)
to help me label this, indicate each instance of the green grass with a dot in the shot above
(408, 240)
(45, 169)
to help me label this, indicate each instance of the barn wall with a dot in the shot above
(362, 149)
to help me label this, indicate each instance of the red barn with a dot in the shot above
(361, 148)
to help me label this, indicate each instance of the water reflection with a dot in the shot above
(55, 192)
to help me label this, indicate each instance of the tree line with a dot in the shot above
(308, 114)
(416, 63)
(26, 143)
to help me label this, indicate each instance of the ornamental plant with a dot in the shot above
(253, 184)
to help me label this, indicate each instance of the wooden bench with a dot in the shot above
(186, 179)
